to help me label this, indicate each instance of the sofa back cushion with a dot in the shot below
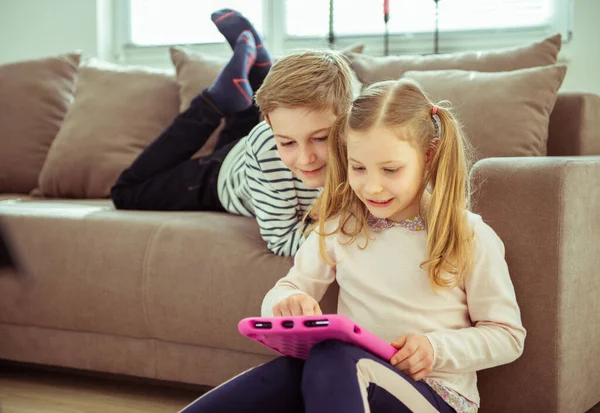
(34, 98)
(503, 113)
(117, 112)
(196, 71)
(371, 69)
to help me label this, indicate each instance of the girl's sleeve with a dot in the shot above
(497, 336)
(310, 274)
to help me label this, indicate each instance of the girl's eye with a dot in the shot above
(320, 138)
(358, 168)
(390, 170)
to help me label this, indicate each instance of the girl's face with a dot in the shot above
(301, 137)
(386, 172)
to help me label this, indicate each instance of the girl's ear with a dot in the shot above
(430, 154)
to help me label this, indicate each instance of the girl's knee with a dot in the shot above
(287, 365)
(329, 348)
(328, 357)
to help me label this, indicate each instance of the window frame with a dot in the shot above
(280, 43)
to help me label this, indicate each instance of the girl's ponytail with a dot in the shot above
(449, 240)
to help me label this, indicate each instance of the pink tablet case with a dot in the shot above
(292, 336)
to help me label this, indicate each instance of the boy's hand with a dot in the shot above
(415, 358)
(297, 304)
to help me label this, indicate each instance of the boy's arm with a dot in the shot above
(310, 274)
(284, 232)
(498, 335)
(276, 203)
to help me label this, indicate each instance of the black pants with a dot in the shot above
(164, 177)
(336, 377)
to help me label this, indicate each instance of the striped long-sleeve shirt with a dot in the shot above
(253, 181)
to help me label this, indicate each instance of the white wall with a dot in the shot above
(36, 28)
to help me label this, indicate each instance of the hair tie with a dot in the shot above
(437, 124)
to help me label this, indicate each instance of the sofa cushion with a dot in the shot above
(196, 71)
(503, 113)
(34, 98)
(371, 69)
(117, 112)
(168, 276)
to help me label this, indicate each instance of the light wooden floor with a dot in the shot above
(26, 390)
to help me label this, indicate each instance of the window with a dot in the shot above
(145, 27)
(352, 17)
(157, 22)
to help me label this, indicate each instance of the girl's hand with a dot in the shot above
(297, 304)
(415, 358)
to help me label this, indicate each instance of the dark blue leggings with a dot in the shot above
(336, 377)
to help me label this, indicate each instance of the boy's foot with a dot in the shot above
(231, 23)
(231, 91)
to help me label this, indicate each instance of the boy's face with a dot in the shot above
(301, 136)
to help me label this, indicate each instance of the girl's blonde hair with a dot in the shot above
(395, 105)
(314, 79)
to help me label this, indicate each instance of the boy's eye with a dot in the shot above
(286, 144)
(391, 170)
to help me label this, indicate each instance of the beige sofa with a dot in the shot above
(159, 294)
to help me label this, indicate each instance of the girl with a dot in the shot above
(414, 267)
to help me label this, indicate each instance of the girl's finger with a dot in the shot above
(285, 310)
(399, 342)
(317, 309)
(406, 366)
(407, 349)
(416, 367)
(307, 307)
(420, 375)
(295, 307)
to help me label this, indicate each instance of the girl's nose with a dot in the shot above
(373, 184)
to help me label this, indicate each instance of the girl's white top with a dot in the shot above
(474, 326)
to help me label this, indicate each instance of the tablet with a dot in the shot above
(295, 336)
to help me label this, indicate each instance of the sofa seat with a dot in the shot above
(90, 269)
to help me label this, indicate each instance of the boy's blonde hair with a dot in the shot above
(395, 105)
(314, 79)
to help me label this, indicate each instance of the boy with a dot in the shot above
(272, 173)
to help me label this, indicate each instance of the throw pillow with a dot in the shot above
(34, 98)
(371, 69)
(503, 113)
(117, 112)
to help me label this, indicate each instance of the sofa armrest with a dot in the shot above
(575, 125)
(547, 212)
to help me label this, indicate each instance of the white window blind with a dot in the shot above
(160, 22)
(290, 24)
(310, 18)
